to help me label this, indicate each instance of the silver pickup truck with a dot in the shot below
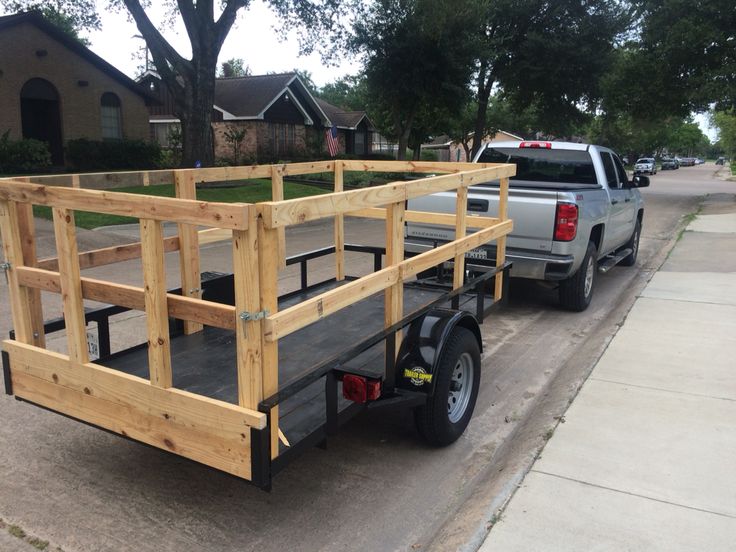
(575, 212)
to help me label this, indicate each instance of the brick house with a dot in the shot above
(281, 118)
(54, 89)
(448, 150)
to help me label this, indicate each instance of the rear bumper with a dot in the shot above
(526, 264)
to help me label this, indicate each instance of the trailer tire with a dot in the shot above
(576, 292)
(633, 244)
(447, 412)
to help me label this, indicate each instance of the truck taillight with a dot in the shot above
(566, 222)
(544, 145)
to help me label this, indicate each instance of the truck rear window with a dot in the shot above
(545, 165)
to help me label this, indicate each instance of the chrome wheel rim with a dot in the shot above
(461, 386)
(589, 272)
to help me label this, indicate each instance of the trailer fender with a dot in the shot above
(422, 346)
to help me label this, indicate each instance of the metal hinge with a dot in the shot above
(253, 315)
(5, 267)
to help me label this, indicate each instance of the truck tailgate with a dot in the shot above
(533, 213)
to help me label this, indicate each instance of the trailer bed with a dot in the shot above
(206, 360)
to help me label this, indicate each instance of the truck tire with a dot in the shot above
(447, 412)
(576, 292)
(632, 244)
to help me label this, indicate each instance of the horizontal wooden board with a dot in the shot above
(426, 217)
(277, 214)
(302, 314)
(211, 432)
(412, 166)
(219, 215)
(132, 297)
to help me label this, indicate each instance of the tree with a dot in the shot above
(234, 136)
(191, 82)
(413, 59)
(691, 46)
(348, 93)
(725, 121)
(548, 56)
(72, 16)
(234, 67)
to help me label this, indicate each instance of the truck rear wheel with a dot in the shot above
(447, 413)
(576, 292)
(633, 244)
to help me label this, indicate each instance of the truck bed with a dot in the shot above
(204, 362)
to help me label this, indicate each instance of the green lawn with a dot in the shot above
(251, 191)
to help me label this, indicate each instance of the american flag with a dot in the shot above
(331, 139)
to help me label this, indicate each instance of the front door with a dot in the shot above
(40, 113)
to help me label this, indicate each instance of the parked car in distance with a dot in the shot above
(721, 161)
(699, 161)
(645, 165)
(687, 161)
(669, 164)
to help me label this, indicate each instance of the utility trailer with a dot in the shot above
(231, 374)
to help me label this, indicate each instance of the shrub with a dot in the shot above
(428, 155)
(23, 156)
(91, 155)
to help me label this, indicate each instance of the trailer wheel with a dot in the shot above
(577, 291)
(447, 413)
(632, 244)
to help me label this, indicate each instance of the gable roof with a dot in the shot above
(344, 119)
(250, 97)
(36, 19)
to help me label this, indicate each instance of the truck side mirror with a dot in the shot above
(640, 181)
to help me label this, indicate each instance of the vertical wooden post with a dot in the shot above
(501, 242)
(71, 285)
(157, 319)
(75, 181)
(13, 252)
(461, 208)
(147, 179)
(339, 227)
(27, 230)
(189, 263)
(248, 333)
(268, 279)
(277, 194)
(394, 295)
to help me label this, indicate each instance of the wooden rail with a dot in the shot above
(152, 410)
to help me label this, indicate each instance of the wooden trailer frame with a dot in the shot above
(229, 437)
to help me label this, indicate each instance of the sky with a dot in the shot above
(253, 39)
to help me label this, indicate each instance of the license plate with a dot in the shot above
(477, 254)
(93, 344)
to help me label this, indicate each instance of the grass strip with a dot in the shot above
(250, 191)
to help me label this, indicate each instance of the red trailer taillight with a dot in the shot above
(566, 222)
(360, 389)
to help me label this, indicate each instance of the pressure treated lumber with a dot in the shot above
(132, 297)
(444, 219)
(157, 320)
(277, 194)
(297, 211)
(27, 232)
(13, 253)
(220, 215)
(71, 286)
(461, 208)
(212, 432)
(339, 227)
(394, 295)
(189, 260)
(248, 340)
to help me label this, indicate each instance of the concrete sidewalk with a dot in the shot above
(646, 458)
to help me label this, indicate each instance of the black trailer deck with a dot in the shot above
(205, 361)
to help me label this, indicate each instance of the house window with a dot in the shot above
(112, 128)
(168, 135)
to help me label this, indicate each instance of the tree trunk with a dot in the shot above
(479, 131)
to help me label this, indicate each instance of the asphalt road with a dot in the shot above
(376, 487)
